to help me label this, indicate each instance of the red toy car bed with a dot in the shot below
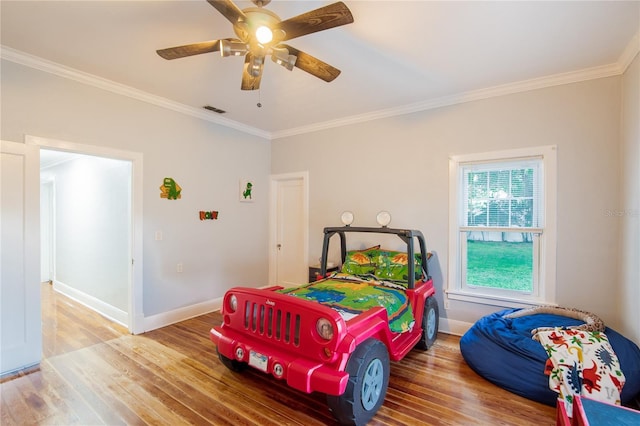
(336, 335)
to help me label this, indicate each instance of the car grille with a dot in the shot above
(272, 323)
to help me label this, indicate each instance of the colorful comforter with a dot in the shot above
(351, 295)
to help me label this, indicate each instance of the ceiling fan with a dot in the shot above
(261, 33)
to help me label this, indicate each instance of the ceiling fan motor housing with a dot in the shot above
(261, 3)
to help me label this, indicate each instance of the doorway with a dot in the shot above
(289, 229)
(93, 195)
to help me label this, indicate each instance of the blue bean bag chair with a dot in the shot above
(502, 351)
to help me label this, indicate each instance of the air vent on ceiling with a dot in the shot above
(214, 109)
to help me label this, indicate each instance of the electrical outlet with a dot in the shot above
(179, 267)
(446, 303)
(158, 235)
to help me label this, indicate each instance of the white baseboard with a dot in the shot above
(457, 328)
(171, 317)
(104, 309)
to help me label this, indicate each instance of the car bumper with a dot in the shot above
(303, 374)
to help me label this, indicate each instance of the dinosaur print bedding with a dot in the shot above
(581, 363)
(351, 295)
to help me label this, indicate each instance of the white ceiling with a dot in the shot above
(397, 56)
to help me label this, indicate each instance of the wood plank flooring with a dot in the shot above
(94, 373)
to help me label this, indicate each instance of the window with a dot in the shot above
(502, 227)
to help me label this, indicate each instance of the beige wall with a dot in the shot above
(400, 164)
(629, 206)
(207, 161)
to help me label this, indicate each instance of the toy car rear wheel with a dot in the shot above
(368, 369)
(430, 320)
(232, 364)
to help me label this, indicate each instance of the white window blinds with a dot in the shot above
(503, 195)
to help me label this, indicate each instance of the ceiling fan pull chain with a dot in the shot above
(259, 104)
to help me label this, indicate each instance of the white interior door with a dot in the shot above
(21, 329)
(290, 236)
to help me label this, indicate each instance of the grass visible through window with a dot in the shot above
(501, 265)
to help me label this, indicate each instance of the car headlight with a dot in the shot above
(233, 303)
(324, 328)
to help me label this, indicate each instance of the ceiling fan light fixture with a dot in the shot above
(232, 48)
(255, 67)
(264, 34)
(281, 57)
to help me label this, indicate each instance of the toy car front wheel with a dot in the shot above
(430, 320)
(368, 369)
(232, 364)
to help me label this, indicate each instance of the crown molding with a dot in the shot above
(474, 95)
(41, 64)
(630, 52)
(614, 69)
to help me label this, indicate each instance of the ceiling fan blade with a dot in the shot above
(249, 82)
(229, 10)
(323, 18)
(313, 66)
(189, 49)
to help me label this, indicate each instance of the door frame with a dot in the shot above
(274, 187)
(136, 315)
(49, 187)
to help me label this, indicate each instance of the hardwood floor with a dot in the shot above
(68, 326)
(94, 373)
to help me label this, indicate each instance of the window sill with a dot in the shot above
(492, 300)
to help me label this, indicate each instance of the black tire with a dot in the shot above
(232, 364)
(368, 369)
(430, 321)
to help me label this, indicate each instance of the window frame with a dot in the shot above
(544, 234)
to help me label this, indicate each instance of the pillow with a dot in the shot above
(360, 262)
(394, 266)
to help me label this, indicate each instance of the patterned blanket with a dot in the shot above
(351, 295)
(581, 363)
